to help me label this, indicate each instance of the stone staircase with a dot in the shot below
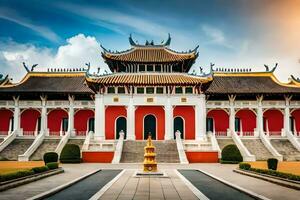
(286, 149)
(257, 148)
(224, 142)
(48, 145)
(166, 152)
(15, 148)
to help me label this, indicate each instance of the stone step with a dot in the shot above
(286, 149)
(166, 151)
(76, 141)
(15, 148)
(257, 148)
(48, 145)
(224, 142)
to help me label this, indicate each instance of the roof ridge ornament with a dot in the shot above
(272, 70)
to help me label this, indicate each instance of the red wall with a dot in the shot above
(5, 116)
(188, 115)
(55, 120)
(158, 112)
(296, 115)
(81, 118)
(111, 114)
(202, 157)
(221, 120)
(248, 120)
(100, 157)
(275, 120)
(29, 119)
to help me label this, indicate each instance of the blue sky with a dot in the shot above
(231, 33)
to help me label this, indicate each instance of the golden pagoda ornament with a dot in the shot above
(150, 164)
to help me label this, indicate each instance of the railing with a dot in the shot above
(63, 141)
(8, 139)
(220, 133)
(245, 103)
(181, 153)
(119, 149)
(54, 133)
(293, 139)
(30, 103)
(80, 133)
(274, 133)
(84, 103)
(247, 133)
(4, 132)
(33, 147)
(29, 133)
(273, 103)
(6, 103)
(214, 143)
(265, 140)
(57, 103)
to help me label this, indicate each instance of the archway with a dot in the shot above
(81, 121)
(179, 126)
(120, 126)
(273, 121)
(247, 119)
(6, 121)
(220, 121)
(150, 126)
(30, 121)
(57, 121)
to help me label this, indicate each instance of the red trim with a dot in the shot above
(111, 114)
(158, 112)
(202, 157)
(97, 157)
(188, 115)
(54, 120)
(81, 118)
(5, 116)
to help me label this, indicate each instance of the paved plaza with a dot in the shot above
(151, 188)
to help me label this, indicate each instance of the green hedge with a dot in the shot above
(276, 173)
(70, 154)
(40, 169)
(50, 157)
(229, 162)
(245, 166)
(14, 175)
(272, 163)
(52, 165)
(231, 153)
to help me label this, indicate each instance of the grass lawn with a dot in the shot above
(12, 166)
(288, 167)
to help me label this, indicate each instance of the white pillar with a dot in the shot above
(231, 113)
(200, 113)
(71, 116)
(259, 117)
(130, 132)
(99, 117)
(17, 116)
(286, 123)
(169, 132)
(44, 117)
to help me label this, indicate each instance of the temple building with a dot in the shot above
(150, 89)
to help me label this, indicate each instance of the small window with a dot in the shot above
(150, 90)
(189, 90)
(150, 68)
(159, 90)
(121, 90)
(110, 90)
(142, 68)
(158, 68)
(65, 122)
(140, 90)
(178, 90)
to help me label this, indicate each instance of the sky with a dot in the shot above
(230, 33)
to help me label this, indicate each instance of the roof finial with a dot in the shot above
(168, 42)
(25, 66)
(132, 43)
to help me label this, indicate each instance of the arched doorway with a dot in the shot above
(179, 126)
(120, 126)
(150, 126)
(91, 124)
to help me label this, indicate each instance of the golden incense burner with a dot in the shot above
(150, 164)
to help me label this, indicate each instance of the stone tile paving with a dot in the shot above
(130, 187)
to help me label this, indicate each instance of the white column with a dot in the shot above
(259, 117)
(99, 117)
(200, 113)
(231, 113)
(71, 116)
(169, 132)
(130, 132)
(44, 117)
(286, 123)
(17, 116)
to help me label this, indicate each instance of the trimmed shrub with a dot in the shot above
(52, 165)
(231, 153)
(40, 169)
(70, 154)
(50, 157)
(276, 173)
(245, 166)
(272, 163)
(14, 175)
(229, 162)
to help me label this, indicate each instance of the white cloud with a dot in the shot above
(216, 36)
(11, 15)
(79, 50)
